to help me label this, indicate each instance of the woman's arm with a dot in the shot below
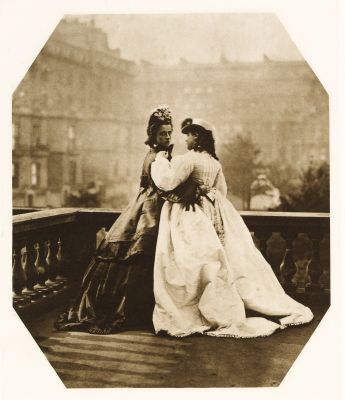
(168, 175)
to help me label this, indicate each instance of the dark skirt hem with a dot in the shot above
(116, 294)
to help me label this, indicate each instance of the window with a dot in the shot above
(71, 138)
(15, 175)
(73, 172)
(35, 174)
(65, 197)
(15, 135)
(30, 200)
(71, 133)
(36, 134)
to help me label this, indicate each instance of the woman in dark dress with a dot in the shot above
(117, 288)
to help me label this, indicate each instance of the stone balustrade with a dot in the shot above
(299, 270)
(51, 249)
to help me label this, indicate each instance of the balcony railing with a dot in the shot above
(51, 249)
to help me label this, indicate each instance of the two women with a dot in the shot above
(207, 270)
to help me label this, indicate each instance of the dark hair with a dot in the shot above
(204, 141)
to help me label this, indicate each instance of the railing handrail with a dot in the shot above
(282, 214)
(52, 217)
(58, 216)
(63, 210)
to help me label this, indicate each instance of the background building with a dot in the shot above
(80, 114)
(282, 104)
(68, 116)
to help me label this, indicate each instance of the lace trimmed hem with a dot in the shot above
(207, 331)
(240, 337)
(283, 326)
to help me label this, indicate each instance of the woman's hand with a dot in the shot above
(162, 154)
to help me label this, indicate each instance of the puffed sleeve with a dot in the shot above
(168, 175)
(220, 183)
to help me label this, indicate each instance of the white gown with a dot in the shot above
(207, 268)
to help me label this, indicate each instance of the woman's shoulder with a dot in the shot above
(148, 160)
(184, 156)
(204, 157)
(184, 160)
(195, 157)
(150, 155)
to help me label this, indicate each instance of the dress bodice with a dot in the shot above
(201, 167)
(205, 168)
(145, 179)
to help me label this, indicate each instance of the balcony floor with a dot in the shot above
(141, 359)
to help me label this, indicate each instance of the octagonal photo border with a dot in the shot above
(306, 371)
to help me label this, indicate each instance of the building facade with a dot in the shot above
(68, 113)
(80, 114)
(282, 105)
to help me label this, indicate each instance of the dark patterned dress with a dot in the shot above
(117, 287)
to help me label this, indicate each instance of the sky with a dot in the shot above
(166, 38)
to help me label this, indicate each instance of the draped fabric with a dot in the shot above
(208, 272)
(116, 292)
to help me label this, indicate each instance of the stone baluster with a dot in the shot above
(288, 267)
(18, 277)
(263, 235)
(62, 261)
(301, 277)
(314, 265)
(52, 263)
(325, 278)
(41, 268)
(30, 270)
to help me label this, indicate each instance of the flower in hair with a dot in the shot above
(162, 113)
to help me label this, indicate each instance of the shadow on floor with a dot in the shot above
(142, 359)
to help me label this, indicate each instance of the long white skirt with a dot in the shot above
(203, 286)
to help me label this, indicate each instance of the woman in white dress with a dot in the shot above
(208, 270)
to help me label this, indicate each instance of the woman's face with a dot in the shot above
(191, 140)
(163, 135)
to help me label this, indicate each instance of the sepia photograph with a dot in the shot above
(171, 200)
